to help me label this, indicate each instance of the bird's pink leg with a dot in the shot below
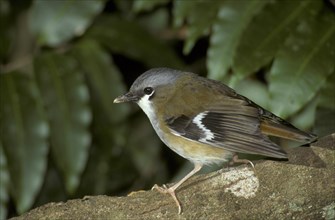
(172, 189)
(235, 159)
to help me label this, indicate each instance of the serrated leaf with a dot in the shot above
(181, 10)
(4, 183)
(54, 22)
(233, 18)
(24, 133)
(145, 5)
(303, 65)
(104, 77)
(199, 15)
(267, 32)
(130, 39)
(66, 98)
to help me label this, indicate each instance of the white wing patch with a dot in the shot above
(198, 121)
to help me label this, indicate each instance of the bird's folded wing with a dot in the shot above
(229, 125)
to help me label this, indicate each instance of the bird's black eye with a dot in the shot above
(148, 90)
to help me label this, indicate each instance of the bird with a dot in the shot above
(205, 121)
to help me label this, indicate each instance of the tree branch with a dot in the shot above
(276, 190)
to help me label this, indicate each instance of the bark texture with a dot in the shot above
(301, 188)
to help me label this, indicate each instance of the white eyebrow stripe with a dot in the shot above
(198, 121)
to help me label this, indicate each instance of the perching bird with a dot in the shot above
(205, 121)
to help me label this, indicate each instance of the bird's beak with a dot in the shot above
(128, 97)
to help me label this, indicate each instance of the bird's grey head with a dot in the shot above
(149, 83)
(155, 78)
(153, 85)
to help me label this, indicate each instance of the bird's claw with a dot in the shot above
(164, 189)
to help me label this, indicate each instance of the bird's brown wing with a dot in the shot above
(273, 125)
(232, 124)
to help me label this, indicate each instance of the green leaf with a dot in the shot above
(145, 5)
(130, 39)
(325, 123)
(325, 113)
(24, 133)
(124, 7)
(267, 32)
(104, 77)
(6, 37)
(156, 22)
(255, 91)
(199, 16)
(306, 118)
(109, 160)
(146, 158)
(4, 183)
(54, 22)
(66, 98)
(303, 65)
(52, 190)
(327, 97)
(233, 18)
(181, 10)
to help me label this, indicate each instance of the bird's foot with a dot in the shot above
(165, 190)
(235, 159)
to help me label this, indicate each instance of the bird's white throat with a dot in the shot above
(146, 105)
(148, 108)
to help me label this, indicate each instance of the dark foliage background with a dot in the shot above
(63, 63)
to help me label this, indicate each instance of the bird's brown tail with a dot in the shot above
(286, 131)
